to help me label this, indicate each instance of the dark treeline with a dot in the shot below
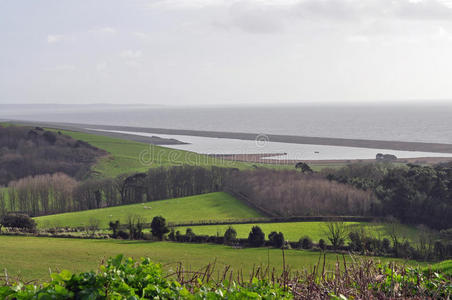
(26, 151)
(413, 194)
(291, 193)
(57, 193)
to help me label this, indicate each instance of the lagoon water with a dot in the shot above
(206, 145)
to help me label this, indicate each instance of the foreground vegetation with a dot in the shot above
(119, 279)
(213, 206)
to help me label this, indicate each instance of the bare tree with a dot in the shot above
(93, 226)
(336, 232)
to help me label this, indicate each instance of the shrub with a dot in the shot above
(440, 250)
(306, 243)
(114, 227)
(123, 235)
(50, 137)
(230, 235)
(20, 221)
(190, 235)
(93, 226)
(322, 244)
(276, 239)
(147, 236)
(256, 238)
(172, 235)
(386, 245)
(158, 227)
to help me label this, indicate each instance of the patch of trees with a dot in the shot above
(303, 167)
(42, 194)
(27, 151)
(18, 221)
(290, 193)
(413, 194)
(58, 193)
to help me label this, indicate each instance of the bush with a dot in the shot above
(386, 245)
(123, 235)
(50, 137)
(148, 236)
(114, 227)
(276, 239)
(256, 238)
(230, 235)
(440, 250)
(19, 221)
(190, 235)
(306, 243)
(172, 235)
(322, 244)
(158, 227)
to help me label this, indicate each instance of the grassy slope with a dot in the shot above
(443, 267)
(295, 230)
(125, 156)
(32, 257)
(212, 206)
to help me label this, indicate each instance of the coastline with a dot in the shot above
(258, 158)
(264, 158)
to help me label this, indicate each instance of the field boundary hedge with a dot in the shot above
(277, 220)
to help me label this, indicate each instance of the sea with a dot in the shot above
(415, 122)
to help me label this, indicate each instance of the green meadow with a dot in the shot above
(212, 206)
(130, 156)
(34, 258)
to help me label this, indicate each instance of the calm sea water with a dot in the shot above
(424, 123)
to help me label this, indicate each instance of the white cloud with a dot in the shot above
(64, 68)
(357, 39)
(140, 35)
(101, 67)
(55, 38)
(442, 34)
(131, 54)
(105, 30)
(424, 10)
(256, 18)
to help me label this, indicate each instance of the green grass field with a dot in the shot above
(33, 258)
(444, 267)
(212, 206)
(125, 156)
(293, 231)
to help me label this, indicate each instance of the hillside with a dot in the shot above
(213, 206)
(130, 156)
(29, 151)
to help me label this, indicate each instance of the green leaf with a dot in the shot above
(66, 275)
(116, 262)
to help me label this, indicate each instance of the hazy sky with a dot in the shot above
(224, 51)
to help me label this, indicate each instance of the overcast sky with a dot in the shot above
(224, 51)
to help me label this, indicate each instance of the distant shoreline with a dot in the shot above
(264, 158)
(359, 143)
